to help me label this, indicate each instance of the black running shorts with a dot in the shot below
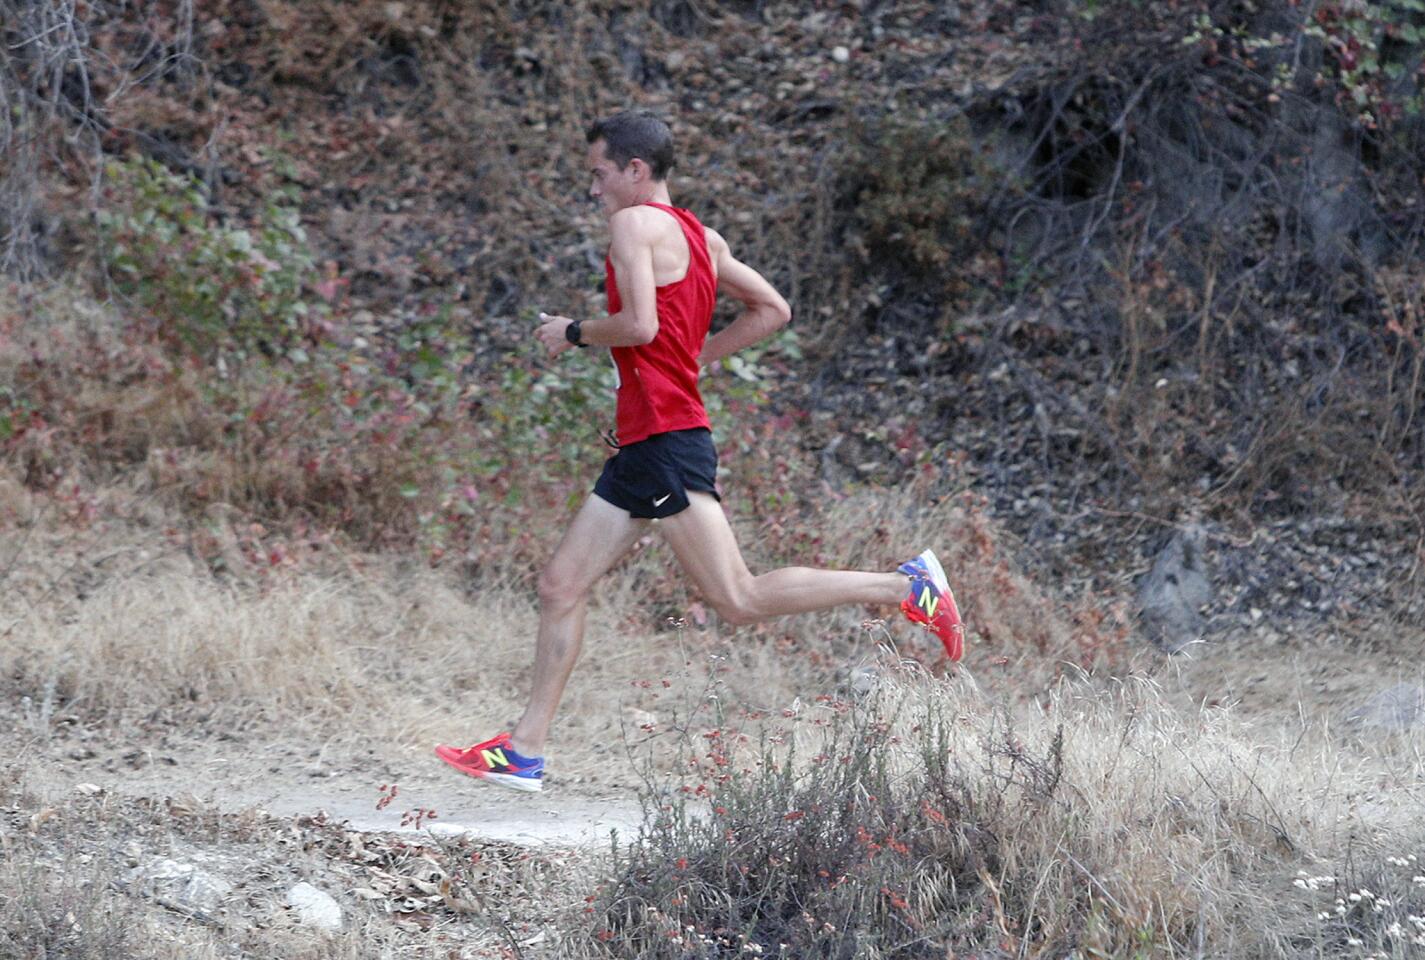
(651, 478)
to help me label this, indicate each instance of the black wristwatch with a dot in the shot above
(574, 334)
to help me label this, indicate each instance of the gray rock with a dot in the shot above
(314, 908)
(863, 680)
(180, 886)
(1401, 707)
(1172, 594)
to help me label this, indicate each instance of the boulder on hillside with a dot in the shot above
(1172, 594)
(1394, 709)
(314, 908)
(180, 886)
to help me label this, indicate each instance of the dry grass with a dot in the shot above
(63, 907)
(1171, 829)
(1104, 822)
(116, 619)
(1190, 827)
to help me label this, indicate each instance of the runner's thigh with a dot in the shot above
(706, 549)
(597, 538)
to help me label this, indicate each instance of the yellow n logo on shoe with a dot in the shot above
(928, 602)
(494, 758)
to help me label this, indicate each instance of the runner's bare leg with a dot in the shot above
(597, 538)
(703, 542)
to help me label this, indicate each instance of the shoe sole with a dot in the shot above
(524, 784)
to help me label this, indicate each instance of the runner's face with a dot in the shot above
(614, 187)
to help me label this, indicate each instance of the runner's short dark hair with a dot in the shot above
(636, 133)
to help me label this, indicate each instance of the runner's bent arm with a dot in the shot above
(631, 250)
(764, 310)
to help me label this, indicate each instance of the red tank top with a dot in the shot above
(658, 381)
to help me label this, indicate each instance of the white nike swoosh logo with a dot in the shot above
(661, 500)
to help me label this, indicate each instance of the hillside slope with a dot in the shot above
(1127, 265)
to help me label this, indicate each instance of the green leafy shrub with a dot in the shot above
(219, 289)
(395, 439)
(1372, 47)
(251, 394)
(1369, 52)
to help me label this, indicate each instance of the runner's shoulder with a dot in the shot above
(717, 246)
(638, 221)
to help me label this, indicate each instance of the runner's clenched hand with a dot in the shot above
(551, 333)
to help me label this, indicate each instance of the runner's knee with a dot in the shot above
(736, 616)
(558, 591)
(737, 608)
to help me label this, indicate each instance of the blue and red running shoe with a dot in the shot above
(496, 761)
(931, 604)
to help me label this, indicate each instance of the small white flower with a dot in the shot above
(1354, 942)
(1383, 903)
(1299, 883)
(1367, 894)
(1354, 898)
(1324, 915)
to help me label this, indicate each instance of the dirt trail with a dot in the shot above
(271, 777)
(273, 768)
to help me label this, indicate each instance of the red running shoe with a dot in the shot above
(496, 761)
(931, 604)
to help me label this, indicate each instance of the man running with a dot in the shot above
(664, 271)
